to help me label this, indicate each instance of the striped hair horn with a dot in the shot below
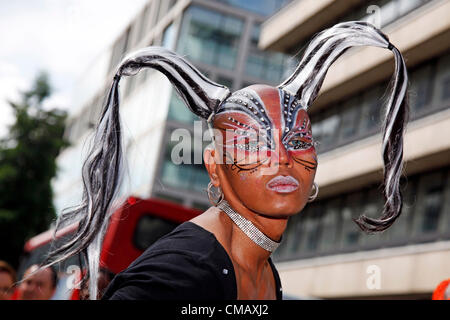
(201, 95)
(323, 50)
(101, 169)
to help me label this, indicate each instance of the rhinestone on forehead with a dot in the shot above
(240, 123)
(246, 132)
(248, 102)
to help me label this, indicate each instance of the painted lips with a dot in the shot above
(282, 184)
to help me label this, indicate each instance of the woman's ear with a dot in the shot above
(211, 165)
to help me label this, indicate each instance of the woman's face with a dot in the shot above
(269, 160)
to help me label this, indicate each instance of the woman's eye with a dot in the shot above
(252, 145)
(299, 144)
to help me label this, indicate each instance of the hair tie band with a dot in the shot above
(390, 46)
(116, 77)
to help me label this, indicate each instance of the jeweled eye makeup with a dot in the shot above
(299, 138)
(245, 137)
(245, 147)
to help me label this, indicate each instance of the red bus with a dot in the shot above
(136, 225)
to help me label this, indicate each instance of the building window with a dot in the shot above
(324, 130)
(327, 227)
(295, 238)
(420, 89)
(330, 226)
(351, 234)
(350, 116)
(262, 7)
(399, 232)
(265, 65)
(178, 111)
(360, 115)
(189, 176)
(445, 225)
(371, 107)
(210, 37)
(311, 231)
(429, 206)
(373, 208)
(441, 94)
(168, 38)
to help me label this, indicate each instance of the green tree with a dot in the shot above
(27, 165)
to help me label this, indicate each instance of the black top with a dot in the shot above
(186, 264)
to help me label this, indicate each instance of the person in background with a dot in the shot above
(38, 285)
(7, 280)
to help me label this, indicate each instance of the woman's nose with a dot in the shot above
(282, 157)
(285, 157)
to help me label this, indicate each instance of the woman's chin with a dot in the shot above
(278, 210)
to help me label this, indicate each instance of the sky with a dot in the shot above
(61, 37)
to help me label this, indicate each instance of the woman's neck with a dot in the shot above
(244, 250)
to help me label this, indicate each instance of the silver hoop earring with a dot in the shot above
(316, 192)
(215, 197)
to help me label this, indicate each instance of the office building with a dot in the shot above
(325, 254)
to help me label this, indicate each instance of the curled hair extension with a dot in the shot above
(323, 50)
(101, 169)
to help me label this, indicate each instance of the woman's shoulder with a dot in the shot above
(188, 237)
(187, 263)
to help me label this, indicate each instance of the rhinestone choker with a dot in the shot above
(249, 228)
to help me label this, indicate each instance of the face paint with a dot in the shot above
(270, 149)
(251, 129)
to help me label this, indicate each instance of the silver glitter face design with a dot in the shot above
(248, 102)
(251, 143)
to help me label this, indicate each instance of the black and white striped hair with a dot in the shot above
(101, 169)
(307, 79)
